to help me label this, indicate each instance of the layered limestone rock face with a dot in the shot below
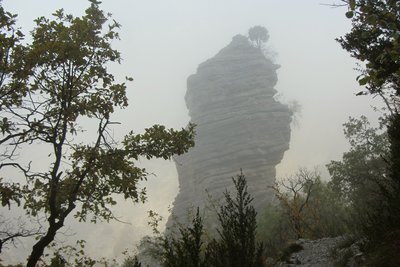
(239, 126)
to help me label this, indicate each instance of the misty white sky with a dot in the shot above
(163, 42)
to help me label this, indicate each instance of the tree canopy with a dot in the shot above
(50, 88)
(374, 39)
(364, 165)
(258, 35)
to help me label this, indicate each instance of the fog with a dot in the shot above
(162, 43)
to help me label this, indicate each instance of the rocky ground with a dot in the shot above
(325, 252)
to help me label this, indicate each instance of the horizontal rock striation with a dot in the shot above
(239, 126)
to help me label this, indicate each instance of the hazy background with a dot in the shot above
(163, 42)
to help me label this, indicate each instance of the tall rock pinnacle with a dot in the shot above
(239, 126)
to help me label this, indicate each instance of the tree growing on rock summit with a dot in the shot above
(258, 35)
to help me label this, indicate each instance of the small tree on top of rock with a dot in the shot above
(258, 35)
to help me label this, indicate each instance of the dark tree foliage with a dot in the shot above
(186, 249)
(235, 246)
(364, 166)
(258, 35)
(375, 40)
(383, 228)
(12, 77)
(50, 89)
(356, 179)
(12, 90)
(131, 262)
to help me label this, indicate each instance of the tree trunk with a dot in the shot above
(394, 137)
(394, 198)
(38, 248)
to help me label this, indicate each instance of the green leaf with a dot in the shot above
(363, 81)
(349, 14)
(372, 19)
(352, 4)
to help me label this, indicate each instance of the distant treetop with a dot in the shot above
(258, 35)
